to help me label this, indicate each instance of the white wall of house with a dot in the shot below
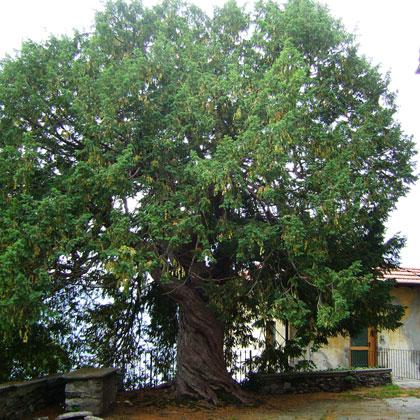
(408, 335)
(333, 355)
(400, 349)
(406, 338)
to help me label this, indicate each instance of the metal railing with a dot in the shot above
(148, 371)
(239, 367)
(405, 364)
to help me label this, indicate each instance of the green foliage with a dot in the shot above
(253, 157)
(277, 358)
(41, 353)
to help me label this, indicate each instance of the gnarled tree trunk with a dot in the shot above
(201, 368)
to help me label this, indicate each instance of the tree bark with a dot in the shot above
(201, 368)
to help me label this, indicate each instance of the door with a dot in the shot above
(363, 348)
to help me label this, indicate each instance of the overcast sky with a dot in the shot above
(388, 33)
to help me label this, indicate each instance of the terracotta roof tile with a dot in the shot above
(404, 275)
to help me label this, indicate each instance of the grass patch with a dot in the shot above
(381, 392)
(387, 391)
(351, 396)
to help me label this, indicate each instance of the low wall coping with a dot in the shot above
(89, 373)
(345, 372)
(318, 381)
(23, 384)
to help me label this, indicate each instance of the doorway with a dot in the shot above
(363, 348)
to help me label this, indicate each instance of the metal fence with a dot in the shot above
(149, 372)
(405, 364)
(239, 366)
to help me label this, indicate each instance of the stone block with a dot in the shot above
(91, 389)
(75, 415)
(84, 389)
(84, 404)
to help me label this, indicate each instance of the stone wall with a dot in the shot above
(20, 399)
(327, 381)
(93, 390)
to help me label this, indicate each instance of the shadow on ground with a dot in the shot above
(388, 402)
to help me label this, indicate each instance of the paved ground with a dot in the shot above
(320, 406)
(375, 409)
(365, 409)
(407, 383)
(364, 404)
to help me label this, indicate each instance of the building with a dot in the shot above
(399, 349)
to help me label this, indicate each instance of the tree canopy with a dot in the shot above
(209, 171)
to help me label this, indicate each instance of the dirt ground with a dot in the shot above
(389, 402)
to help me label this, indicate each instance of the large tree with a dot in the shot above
(207, 170)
